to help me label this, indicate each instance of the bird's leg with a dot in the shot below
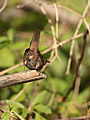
(40, 72)
(24, 69)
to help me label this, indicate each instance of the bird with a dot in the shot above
(33, 59)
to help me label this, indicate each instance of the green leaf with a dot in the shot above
(3, 39)
(6, 116)
(39, 98)
(10, 34)
(39, 117)
(4, 44)
(42, 108)
(12, 104)
(24, 112)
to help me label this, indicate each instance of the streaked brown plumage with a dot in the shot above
(33, 59)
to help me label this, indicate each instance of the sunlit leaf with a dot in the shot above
(3, 39)
(42, 108)
(24, 112)
(12, 104)
(39, 98)
(6, 116)
(39, 117)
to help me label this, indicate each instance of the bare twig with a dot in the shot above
(86, 25)
(21, 77)
(57, 19)
(78, 65)
(77, 86)
(69, 9)
(55, 42)
(52, 54)
(51, 25)
(11, 68)
(16, 97)
(73, 42)
(53, 32)
(4, 5)
(64, 42)
(74, 12)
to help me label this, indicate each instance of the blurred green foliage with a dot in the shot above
(15, 36)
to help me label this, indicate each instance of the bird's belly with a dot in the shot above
(31, 64)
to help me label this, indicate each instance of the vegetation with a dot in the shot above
(43, 100)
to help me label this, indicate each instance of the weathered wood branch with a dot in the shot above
(65, 17)
(21, 77)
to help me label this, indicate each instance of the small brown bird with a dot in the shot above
(33, 59)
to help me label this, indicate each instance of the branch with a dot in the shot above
(4, 6)
(64, 16)
(78, 65)
(21, 77)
